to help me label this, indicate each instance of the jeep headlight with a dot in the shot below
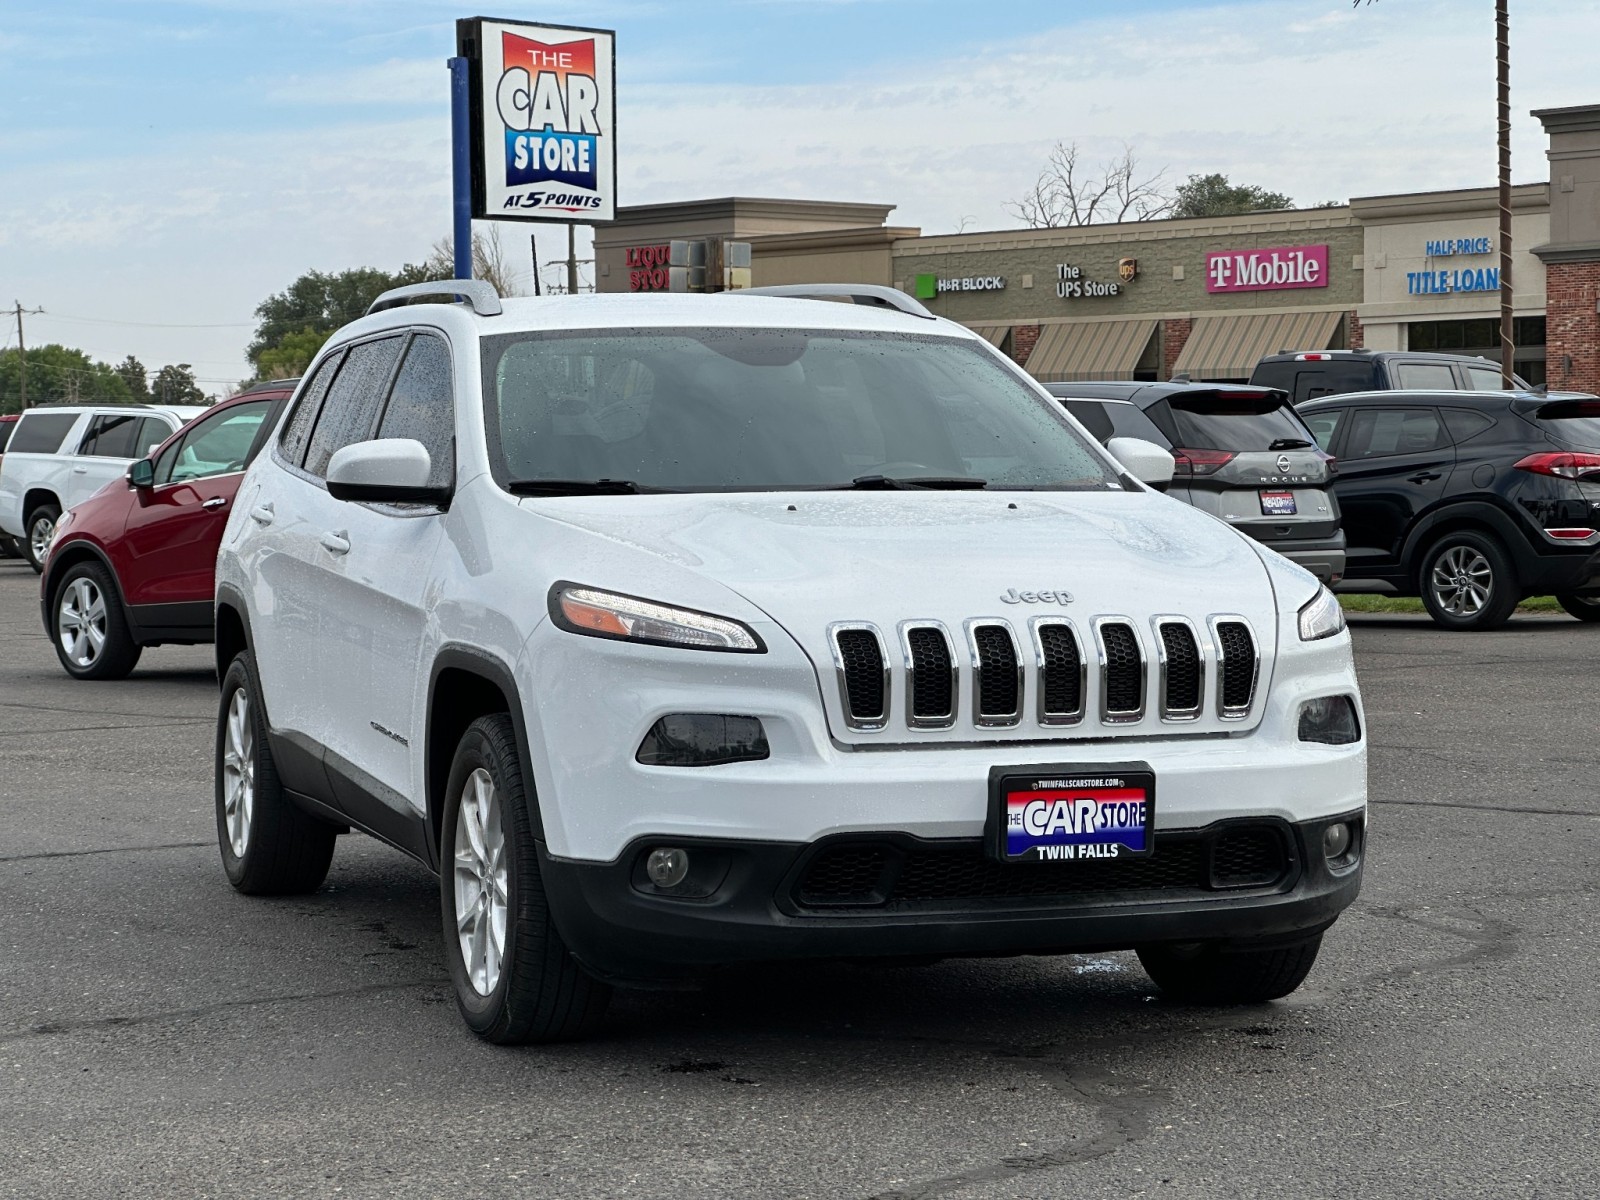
(595, 613)
(1322, 618)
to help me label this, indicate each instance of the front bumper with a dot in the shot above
(758, 910)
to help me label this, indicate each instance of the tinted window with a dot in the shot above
(1376, 433)
(111, 436)
(1235, 423)
(1464, 424)
(730, 409)
(1308, 380)
(1483, 379)
(1129, 420)
(219, 445)
(5, 433)
(351, 408)
(41, 433)
(1425, 377)
(297, 430)
(1573, 423)
(1324, 425)
(422, 406)
(152, 431)
(1092, 417)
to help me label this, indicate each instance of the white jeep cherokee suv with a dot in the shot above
(679, 631)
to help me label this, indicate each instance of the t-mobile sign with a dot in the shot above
(1268, 270)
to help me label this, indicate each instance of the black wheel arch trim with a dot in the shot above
(1474, 512)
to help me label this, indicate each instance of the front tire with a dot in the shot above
(270, 846)
(1205, 973)
(40, 528)
(1586, 608)
(514, 977)
(1468, 582)
(89, 628)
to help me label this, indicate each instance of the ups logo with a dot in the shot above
(1127, 269)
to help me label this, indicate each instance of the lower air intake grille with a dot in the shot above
(1238, 669)
(845, 875)
(1124, 670)
(1247, 857)
(861, 660)
(997, 685)
(933, 681)
(1183, 668)
(1061, 672)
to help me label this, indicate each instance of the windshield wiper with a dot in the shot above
(578, 487)
(1290, 444)
(874, 483)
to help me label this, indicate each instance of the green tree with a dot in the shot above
(1214, 196)
(321, 302)
(291, 356)
(174, 384)
(133, 374)
(59, 374)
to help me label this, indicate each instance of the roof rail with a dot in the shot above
(872, 294)
(484, 299)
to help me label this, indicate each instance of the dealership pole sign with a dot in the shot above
(543, 107)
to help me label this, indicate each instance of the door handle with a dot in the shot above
(1423, 477)
(336, 542)
(80, 470)
(261, 514)
(214, 502)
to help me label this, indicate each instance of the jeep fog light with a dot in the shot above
(1330, 720)
(1336, 840)
(595, 613)
(667, 866)
(702, 740)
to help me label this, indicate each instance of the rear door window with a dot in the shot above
(41, 432)
(1424, 377)
(111, 436)
(1092, 417)
(152, 431)
(1384, 432)
(1483, 379)
(1238, 423)
(297, 430)
(1324, 425)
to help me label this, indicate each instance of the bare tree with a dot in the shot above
(489, 261)
(1068, 192)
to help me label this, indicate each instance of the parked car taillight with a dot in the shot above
(1199, 462)
(1568, 464)
(1330, 462)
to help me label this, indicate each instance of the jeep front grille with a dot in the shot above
(1098, 672)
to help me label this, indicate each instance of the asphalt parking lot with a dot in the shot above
(161, 1035)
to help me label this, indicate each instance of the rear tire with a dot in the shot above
(1468, 582)
(1205, 973)
(39, 528)
(8, 547)
(89, 628)
(1585, 608)
(514, 977)
(270, 846)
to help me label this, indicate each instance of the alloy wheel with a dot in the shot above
(81, 622)
(481, 882)
(44, 528)
(1462, 581)
(239, 773)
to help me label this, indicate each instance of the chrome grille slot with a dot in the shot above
(863, 675)
(931, 676)
(996, 673)
(1062, 669)
(1183, 669)
(1238, 663)
(1122, 671)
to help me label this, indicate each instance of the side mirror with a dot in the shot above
(1145, 461)
(385, 471)
(142, 474)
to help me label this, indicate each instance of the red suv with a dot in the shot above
(133, 565)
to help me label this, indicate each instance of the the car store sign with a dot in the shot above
(1271, 269)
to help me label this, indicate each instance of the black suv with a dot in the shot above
(1311, 373)
(1471, 500)
(1241, 454)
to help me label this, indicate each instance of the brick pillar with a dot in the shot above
(1572, 326)
(1354, 337)
(1174, 334)
(1023, 340)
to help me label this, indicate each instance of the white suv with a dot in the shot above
(60, 456)
(679, 631)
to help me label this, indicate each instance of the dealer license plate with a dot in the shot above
(1277, 504)
(1072, 813)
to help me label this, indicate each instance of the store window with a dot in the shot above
(1481, 337)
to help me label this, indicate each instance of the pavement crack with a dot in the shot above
(1509, 808)
(51, 1028)
(10, 858)
(1491, 941)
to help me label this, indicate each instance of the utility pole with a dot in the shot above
(572, 260)
(1502, 25)
(533, 243)
(22, 349)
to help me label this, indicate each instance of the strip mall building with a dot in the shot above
(1206, 297)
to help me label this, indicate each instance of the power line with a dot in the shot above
(145, 324)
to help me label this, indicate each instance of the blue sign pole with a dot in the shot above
(461, 165)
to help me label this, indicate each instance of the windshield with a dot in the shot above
(1242, 424)
(750, 409)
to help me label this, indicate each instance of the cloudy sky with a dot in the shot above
(165, 164)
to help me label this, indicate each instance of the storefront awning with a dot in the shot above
(1229, 346)
(1073, 351)
(990, 331)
